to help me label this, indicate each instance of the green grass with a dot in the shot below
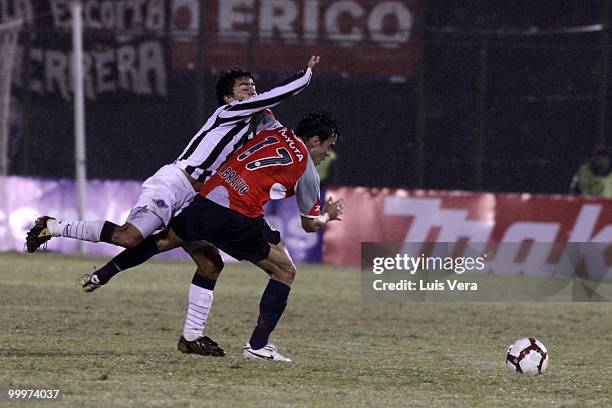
(117, 346)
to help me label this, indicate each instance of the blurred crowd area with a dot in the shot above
(435, 94)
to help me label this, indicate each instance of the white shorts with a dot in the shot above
(162, 196)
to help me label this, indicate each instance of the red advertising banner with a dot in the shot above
(355, 37)
(418, 216)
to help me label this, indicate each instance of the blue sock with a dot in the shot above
(271, 308)
(128, 258)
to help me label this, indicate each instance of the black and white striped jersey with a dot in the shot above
(232, 125)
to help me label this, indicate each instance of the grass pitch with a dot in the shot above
(117, 346)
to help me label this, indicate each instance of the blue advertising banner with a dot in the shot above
(24, 199)
(283, 215)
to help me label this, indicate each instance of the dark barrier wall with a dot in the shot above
(145, 86)
(502, 102)
(133, 141)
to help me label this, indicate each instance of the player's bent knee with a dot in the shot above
(127, 236)
(219, 265)
(167, 240)
(133, 241)
(214, 258)
(285, 273)
(212, 274)
(207, 257)
(212, 268)
(278, 265)
(164, 244)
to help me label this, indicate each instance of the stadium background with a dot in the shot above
(500, 100)
(432, 97)
(478, 97)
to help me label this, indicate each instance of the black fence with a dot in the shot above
(500, 99)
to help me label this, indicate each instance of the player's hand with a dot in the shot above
(314, 60)
(334, 208)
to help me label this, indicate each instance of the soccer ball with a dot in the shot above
(527, 356)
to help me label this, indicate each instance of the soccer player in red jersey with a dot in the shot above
(228, 213)
(242, 113)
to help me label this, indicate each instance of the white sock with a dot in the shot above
(82, 230)
(200, 300)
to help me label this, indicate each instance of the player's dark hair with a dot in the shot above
(225, 83)
(316, 123)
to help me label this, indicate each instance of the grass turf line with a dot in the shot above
(117, 346)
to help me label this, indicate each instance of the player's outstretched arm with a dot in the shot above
(333, 211)
(314, 60)
(239, 110)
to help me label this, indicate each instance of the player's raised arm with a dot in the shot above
(238, 110)
(314, 60)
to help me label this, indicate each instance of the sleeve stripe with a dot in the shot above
(263, 104)
(295, 77)
(272, 97)
(214, 155)
(196, 141)
(234, 118)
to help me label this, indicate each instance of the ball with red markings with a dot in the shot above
(527, 356)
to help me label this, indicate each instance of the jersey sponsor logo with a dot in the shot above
(139, 212)
(160, 203)
(315, 211)
(291, 142)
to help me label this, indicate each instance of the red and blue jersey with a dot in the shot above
(273, 165)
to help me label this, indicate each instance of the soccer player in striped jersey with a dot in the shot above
(242, 114)
(228, 213)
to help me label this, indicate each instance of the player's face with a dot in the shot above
(321, 150)
(244, 88)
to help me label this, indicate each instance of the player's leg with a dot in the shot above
(131, 257)
(140, 224)
(250, 239)
(47, 227)
(162, 195)
(279, 265)
(210, 265)
(281, 269)
(126, 259)
(243, 238)
(143, 220)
